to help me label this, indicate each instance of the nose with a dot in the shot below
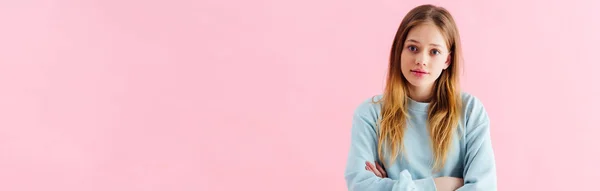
(422, 59)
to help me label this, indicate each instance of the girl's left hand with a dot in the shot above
(377, 169)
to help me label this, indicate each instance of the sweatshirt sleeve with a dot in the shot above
(480, 168)
(363, 147)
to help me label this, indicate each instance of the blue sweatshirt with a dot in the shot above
(470, 157)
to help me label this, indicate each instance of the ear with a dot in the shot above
(448, 61)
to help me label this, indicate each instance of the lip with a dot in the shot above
(419, 71)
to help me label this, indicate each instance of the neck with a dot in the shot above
(420, 94)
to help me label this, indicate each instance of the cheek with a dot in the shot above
(438, 63)
(406, 59)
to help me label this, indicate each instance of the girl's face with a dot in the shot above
(424, 56)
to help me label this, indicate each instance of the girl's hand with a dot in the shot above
(441, 183)
(376, 169)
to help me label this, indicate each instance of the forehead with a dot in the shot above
(426, 34)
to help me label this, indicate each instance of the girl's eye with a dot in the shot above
(412, 48)
(435, 52)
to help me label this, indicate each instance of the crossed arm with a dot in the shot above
(479, 165)
(445, 183)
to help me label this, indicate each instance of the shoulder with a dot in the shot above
(369, 109)
(474, 112)
(471, 102)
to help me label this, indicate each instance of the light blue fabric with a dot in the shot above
(471, 156)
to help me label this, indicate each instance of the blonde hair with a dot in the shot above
(445, 106)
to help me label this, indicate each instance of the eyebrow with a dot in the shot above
(415, 41)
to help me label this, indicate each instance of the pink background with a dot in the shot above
(230, 95)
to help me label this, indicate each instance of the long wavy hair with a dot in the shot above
(444, 109)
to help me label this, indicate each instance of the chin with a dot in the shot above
(419, 83)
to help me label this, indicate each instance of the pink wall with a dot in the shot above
(230, 95)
